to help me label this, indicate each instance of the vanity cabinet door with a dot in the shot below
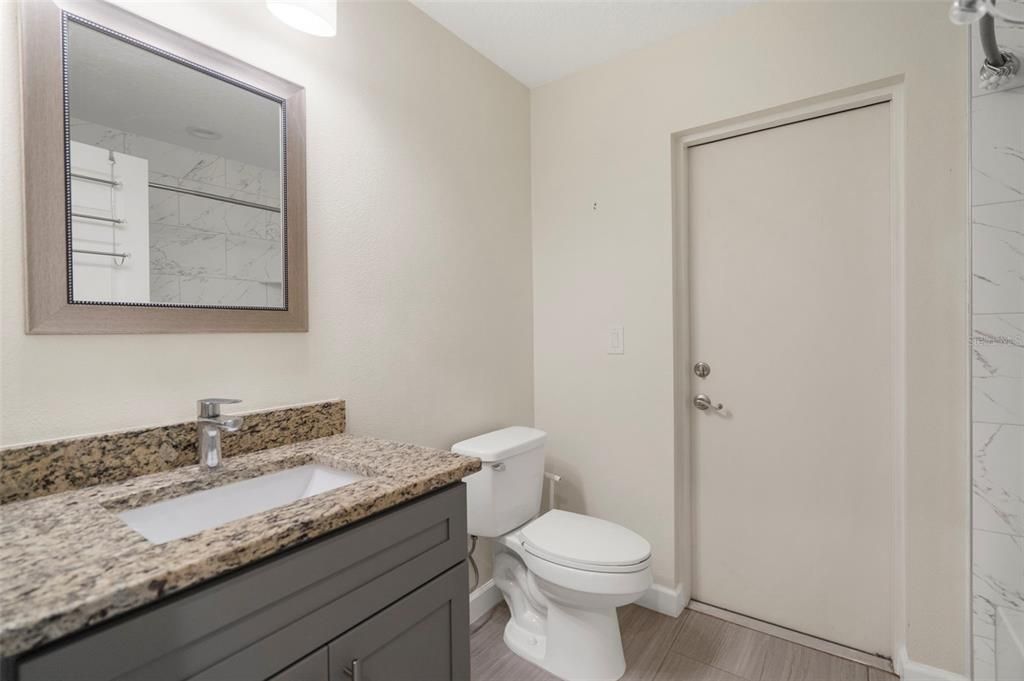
(422, 637)
(310, 668)
(249, 625)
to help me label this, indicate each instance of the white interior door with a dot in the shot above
(791, 307)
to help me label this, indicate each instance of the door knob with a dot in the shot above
(703, 402)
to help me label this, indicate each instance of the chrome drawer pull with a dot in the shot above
(353, 671)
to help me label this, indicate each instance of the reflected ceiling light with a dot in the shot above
(317, 17)
(967, 11)
(203, 133)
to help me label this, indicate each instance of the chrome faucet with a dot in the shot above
(210, 425)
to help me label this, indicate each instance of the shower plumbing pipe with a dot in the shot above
(987, 34)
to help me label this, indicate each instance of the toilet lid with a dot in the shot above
(586, 543)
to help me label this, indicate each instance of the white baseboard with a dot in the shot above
(483, 598)
(916, 671)
(667, 601)
(672, 602)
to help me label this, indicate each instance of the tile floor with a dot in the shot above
(693, 647)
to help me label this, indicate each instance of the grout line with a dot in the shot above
(760, 669)
(711, 666)
(669, 648)
(679, 632)
(996, 203)
(996, 92)
(683, 616)
(661, 664)
(1005, 534)
(764, 663)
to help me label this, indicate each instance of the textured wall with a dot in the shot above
(604, 136)
(419, 259)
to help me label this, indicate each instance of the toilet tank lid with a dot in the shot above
(501, 444)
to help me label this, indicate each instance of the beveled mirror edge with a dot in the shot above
(47, 308)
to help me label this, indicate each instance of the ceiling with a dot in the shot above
(544, 40)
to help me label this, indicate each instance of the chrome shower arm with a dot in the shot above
(987, 35)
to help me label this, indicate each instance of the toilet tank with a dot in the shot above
(506, 492)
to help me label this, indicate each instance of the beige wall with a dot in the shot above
(419, 230)
(603, 136)
(420, 266)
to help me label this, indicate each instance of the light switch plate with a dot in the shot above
(616, 341)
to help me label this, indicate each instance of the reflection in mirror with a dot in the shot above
(175, 181)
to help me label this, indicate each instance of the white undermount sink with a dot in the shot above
(190, 514)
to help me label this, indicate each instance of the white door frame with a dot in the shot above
(889, 90)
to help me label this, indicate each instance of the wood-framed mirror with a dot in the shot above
(165, 182)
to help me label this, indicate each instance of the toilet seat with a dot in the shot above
(584, 543)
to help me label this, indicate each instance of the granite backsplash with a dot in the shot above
(38, 469)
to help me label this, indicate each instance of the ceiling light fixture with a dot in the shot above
(317, 17)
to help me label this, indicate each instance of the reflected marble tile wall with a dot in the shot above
(204, 251)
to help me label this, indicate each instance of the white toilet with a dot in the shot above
(562, 574)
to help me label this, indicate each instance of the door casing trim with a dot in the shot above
(889, 90)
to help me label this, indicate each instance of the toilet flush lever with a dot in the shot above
(498, 467)
(703, 402)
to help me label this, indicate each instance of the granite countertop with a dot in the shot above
(67, 562)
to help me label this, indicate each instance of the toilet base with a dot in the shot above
(579, 645)
(525, 644)
(563, 619)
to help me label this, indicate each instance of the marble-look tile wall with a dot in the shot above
(204, 251)
(997, 191)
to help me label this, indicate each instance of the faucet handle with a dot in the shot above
(210, 407)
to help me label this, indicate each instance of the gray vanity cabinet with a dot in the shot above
(385, 599)
(313, 667)
(421, 637)
(416, 639)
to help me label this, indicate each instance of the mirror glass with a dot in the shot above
(175, 177)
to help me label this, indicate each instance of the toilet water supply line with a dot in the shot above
(472, 562)
(552, 481)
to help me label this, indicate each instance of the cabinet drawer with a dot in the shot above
(423, 637)
(364, 566)
(310, 668)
